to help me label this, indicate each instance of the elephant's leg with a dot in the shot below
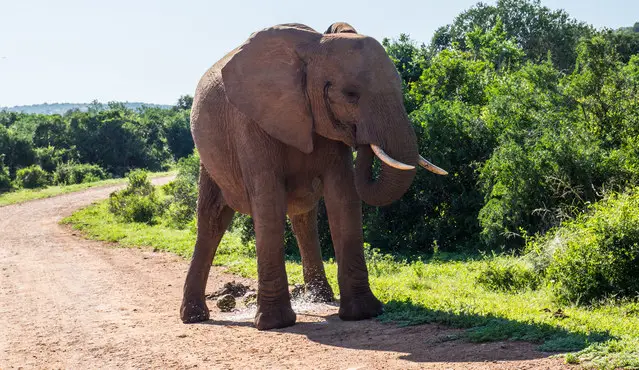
(305, 228)
(214, 217)
(268, 209)
(344, 209)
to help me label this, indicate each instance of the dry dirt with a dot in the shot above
(66, 302)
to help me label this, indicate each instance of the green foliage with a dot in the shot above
(527, 146)
(5, 179)
(536, 29)
(117, 140)
(626, 43)
(183, 192)
(495, 46)
(560, 140)
(113, 136)
(49, 158)
(78, 173)
(133, 208)
(32, 177)
(595, 256)
(17, 151)
(177, 129)
(138, 202)
(508, 274)
(409, 59)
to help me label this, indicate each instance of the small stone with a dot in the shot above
(226, 303)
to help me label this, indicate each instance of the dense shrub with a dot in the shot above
(32, 177)
(538, 30)
(133, 208)
(5, 179)
(183, 191)
(111, 136)
(138, 202)
(76, 173)
(139, 183)
(595, 256)
(508, 274)
(178, 133)
(49, 157)
(17, 151)
(529, 137)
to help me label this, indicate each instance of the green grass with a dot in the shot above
(24, 195)
(433, 290)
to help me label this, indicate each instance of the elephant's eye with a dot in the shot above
(351, 95)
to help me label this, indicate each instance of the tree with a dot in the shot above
(184, 103)
(178, 134)
(535, 28)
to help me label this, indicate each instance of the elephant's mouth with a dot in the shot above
(348, 131)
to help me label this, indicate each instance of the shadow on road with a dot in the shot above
(475, 339)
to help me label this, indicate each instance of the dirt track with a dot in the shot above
(66, 302)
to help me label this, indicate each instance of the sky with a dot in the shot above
(154, 51)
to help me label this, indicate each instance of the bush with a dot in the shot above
(76, 173)
(32, 177)
(139, 183)
(508, 274)
(133, 208)
(50, 157)
(5, 179)
(596, 256)
(182, 192)
(138, 202)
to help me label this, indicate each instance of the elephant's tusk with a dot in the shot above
(429, 166)
(381, 154)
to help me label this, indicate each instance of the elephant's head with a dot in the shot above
(340, 27)
(294, 81)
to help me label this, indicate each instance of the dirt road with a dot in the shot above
(66, 302)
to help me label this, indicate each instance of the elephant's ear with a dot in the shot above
(265, 79)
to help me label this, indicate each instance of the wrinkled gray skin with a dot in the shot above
(274, 122)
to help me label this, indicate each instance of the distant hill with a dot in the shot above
(61, 108)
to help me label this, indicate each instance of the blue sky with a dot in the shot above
(155, 51)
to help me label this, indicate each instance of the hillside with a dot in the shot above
(61, 108)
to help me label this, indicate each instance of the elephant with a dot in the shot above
(340, 27)
(275, 122)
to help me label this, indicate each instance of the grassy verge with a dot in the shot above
(24, 195)
(440, 289)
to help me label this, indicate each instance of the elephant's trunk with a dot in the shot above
(398, 142)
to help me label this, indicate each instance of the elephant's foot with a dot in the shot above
(320, 291)
(194, 310)
(360, 307)
(274, 316)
